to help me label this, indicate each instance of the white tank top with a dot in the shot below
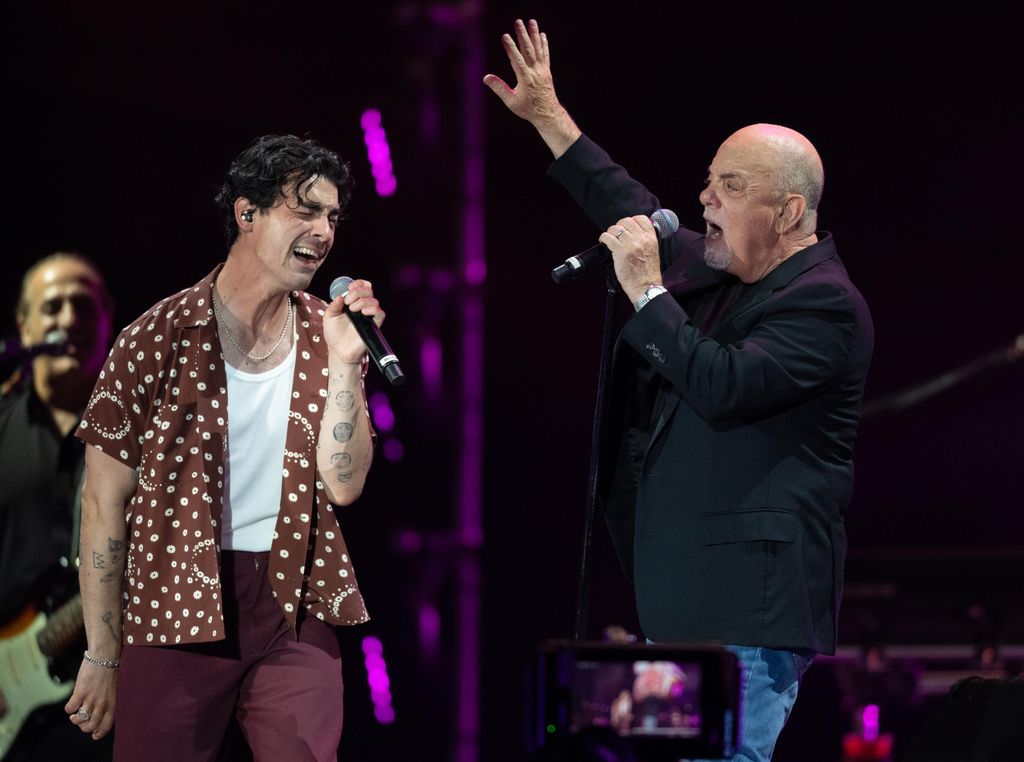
(258, 405)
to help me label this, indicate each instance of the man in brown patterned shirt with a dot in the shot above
(228, 423)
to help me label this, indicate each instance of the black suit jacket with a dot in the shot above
(727, 459)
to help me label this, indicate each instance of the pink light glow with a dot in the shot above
(430, 365)
(372, 645)
(394, 450)
(385, 714)
(383, 415)
(378, 681)
(869, 722)
(476, 272)
(430, 632)
(378, 152)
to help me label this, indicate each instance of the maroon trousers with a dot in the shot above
(175, 703)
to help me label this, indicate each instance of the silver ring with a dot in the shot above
(619, 234)
(83, 714)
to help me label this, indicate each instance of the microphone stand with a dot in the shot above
(604, 374)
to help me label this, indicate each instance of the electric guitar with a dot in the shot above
(26, 644)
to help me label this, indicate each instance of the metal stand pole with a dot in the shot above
(601, 408)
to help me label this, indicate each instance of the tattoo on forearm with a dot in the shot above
(116, 549)
(343, 432)
(108, 619)
(98, 561)
(345, 401)
(341, 459)
(344, 477)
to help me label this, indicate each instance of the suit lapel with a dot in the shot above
(777, 279)
(697, 276)
(686, 277)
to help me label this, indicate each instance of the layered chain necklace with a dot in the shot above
(250, 359)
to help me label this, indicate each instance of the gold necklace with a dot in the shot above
(249, 359)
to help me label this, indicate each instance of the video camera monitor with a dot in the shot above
(662, 701)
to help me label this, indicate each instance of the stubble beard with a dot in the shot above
(717, 259)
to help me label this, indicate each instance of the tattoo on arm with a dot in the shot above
(341, 459)
(343, 432)
(108, 619)
(116, 548)
(98, 561)
(345, 401)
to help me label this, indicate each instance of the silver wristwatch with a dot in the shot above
(649, 293)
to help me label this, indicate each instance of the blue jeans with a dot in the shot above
(769, 680)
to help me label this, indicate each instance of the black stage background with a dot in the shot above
(121, 120)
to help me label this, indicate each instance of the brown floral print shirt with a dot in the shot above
(160, 406)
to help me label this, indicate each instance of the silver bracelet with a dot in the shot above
(108, 663)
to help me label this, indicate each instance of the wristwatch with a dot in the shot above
(649, 293)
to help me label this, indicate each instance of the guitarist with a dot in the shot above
(64, 303)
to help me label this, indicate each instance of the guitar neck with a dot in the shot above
(62, 628)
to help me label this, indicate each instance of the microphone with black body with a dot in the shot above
(596, 257)
(55, 342)
(380, 352)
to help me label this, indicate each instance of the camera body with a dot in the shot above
(649, 701)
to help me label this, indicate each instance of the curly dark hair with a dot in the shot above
(274, 164)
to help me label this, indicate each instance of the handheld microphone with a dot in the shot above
(55, 342)
(665, 223)
(380, 352)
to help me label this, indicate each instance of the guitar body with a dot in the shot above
(25, 679)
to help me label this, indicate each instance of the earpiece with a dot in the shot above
(247, 215)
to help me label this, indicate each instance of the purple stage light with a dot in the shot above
(430, 366)
(471, 445)
(869, 722)
(372, 646)
(441, 281)
(386, 186)
(410, 541)
(383, 415)
(370, 119)
(393, 450)
(409, 276)
(378, 152)
(385, 714)
(378, 681)
(476, 272)
(430, 632)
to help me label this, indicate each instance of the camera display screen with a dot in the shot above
(637, 698)
(663, 701)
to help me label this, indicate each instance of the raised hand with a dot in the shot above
(533, 98)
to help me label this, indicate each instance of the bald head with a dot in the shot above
(65, 292)
(789, 159)
(71, 261)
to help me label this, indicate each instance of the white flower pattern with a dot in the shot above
(164, 417)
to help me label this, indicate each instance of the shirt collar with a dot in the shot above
(194, 305)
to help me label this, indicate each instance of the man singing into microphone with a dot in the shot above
(228, 428)
(727, 462)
